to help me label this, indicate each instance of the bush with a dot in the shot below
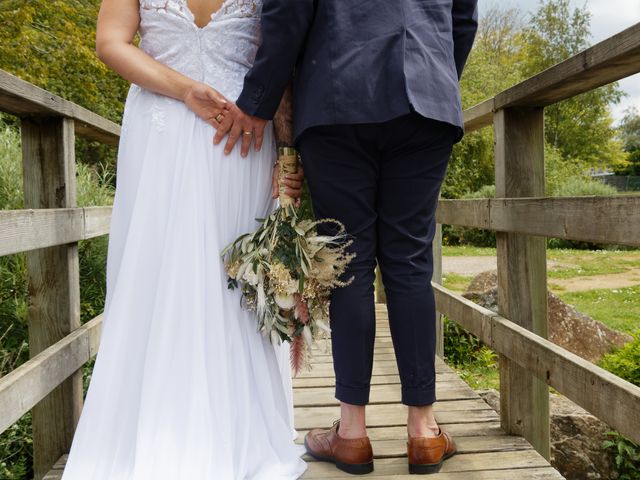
(626, 454)
(625, 362)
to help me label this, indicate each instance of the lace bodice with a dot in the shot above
(219, 54)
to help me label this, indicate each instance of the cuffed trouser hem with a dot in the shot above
(418, 397)
(352, 396)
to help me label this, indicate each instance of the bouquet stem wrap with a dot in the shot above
(286, 271)
(287, 164)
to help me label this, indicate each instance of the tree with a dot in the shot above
(51, 43)
(629, 133)
(491, 68)
(581, 127)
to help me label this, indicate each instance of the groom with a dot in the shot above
(377, 112)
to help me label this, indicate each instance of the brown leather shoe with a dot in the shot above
(427, 454)
(353, 456)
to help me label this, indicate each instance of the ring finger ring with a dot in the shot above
(219, 118)
(248, 133)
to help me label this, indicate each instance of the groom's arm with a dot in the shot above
(285, 24)
(465, 25)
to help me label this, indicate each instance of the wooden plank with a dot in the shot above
(25, 386)
(322, 396)
(48, 163)
(30, 229)
(394, 414)
(26, 100)
(615, 58)
(522, 271)
(479, 116)
(463, 311)
(470, 463)
(610, 220)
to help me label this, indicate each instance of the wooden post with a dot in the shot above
(437, 278)
(522, 273)
(381, 296)
(48, 153)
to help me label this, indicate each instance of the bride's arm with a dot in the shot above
(118, 22)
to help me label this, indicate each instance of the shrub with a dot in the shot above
(626, 454)
(625, 362)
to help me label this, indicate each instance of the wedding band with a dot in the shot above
(219, 118)
(248, 133)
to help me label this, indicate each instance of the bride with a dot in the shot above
(183, 386)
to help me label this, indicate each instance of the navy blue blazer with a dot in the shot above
(361, 61)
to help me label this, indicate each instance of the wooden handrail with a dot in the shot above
(612, 59)
(22, 388)
(606, 396)
(26, 100)
(25, 230)
(610, 219)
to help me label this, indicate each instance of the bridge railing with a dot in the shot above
(48, 230)
(522, 217)
(50, 226)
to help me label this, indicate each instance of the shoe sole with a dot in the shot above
(429, 468)
(352, 468)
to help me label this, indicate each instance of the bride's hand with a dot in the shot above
(293, 183)
(207, 103)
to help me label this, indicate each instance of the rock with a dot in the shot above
(568, 328)
(576, 439)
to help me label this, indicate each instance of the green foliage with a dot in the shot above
(583, 186)
(629, 133)
(626, 455)
(630, 130)
(580, 127)
(460, 346)
(625, 362)
(51, 43)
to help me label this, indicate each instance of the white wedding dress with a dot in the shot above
(183, 386)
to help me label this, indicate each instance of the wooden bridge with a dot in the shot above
(512, 445)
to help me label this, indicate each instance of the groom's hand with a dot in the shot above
(240, 126)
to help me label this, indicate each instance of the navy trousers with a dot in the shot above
(382, 181)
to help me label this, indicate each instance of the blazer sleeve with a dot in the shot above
(285, 24)
(465, 25)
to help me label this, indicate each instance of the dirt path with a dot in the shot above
(609, 281)
(472, 266)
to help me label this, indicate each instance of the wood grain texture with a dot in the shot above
(31, 229)
(48, 154)
(25, 386)
(522, 271)
(608, 220)
(568, 373)
(612, 59)
(26, 100)
(485, 451)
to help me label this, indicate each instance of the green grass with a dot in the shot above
(618, 308)
(480, 377)
(467, 251)
(579, 263)
(455, 282)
